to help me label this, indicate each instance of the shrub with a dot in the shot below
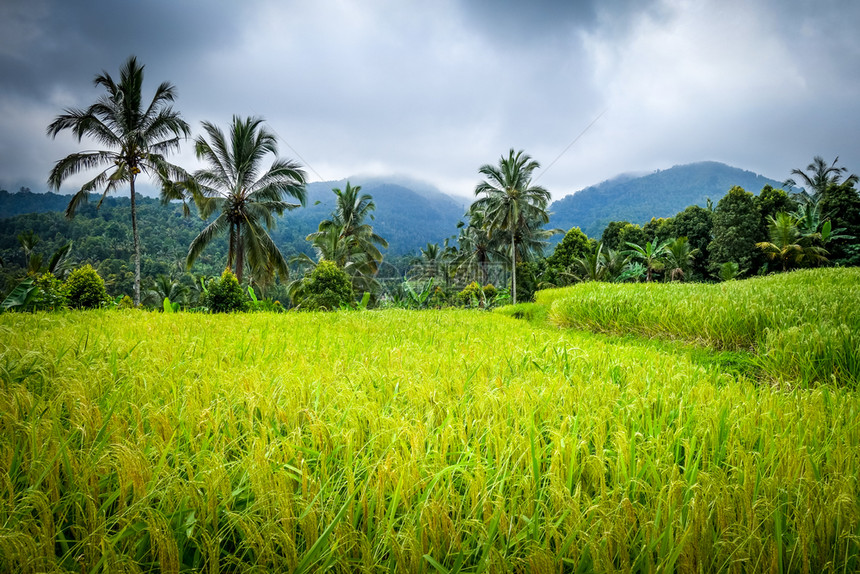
(226, 295)
(85, 289)
(473, 293)
(125, 303)
(52, 293)
(327, 287)
(490, 291)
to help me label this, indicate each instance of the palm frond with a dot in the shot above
(210, 232)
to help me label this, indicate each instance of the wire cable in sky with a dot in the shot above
(576, 139)
(297, 154)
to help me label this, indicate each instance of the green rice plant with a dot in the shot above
(406, 441)
(804, 326)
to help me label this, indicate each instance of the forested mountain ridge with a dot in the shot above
(102, 237)
(406, 218)
(663, 193)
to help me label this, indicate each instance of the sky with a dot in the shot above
(434, 90)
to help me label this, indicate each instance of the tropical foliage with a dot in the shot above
(225, 295)
(245, 195)
(137, 137)
(512, 206)
(84, 289)
(326, 288)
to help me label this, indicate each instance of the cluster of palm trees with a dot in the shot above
(505, 225)
(348, 240)
(801, 237)
(673, 257)
(235, 183)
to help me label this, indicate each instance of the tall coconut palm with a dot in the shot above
(821, 176)
(246, 197)
(136, 136)
(510, 202)
(348, 222)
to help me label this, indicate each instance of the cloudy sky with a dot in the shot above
(433, 90)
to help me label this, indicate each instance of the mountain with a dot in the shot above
(406, 218)
(25, 201)
(638, 198)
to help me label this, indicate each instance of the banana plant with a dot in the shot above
(417, 299)
(22, 295)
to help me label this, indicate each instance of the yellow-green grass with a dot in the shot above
(401, 441)
(803, 326)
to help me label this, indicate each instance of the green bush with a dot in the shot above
(326, 288)
(473, 293)
(85, 289)
(125, 303)
(52, 293)
(225, 295)
(490, 291)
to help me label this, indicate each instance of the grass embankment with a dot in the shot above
(803, 326)
(408, 442)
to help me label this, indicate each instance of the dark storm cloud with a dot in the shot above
(50, 43)
(435, 90)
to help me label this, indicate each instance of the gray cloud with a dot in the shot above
(436, 90)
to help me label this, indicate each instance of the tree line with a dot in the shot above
(742, 235)
(503, 240)
(243, 196)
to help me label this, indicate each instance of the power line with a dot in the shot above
(297, 154)
(576, 139)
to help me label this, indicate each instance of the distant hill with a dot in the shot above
(638, 198)
(406, 218)
(12, 204)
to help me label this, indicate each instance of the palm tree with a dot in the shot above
(246, 197)
(788, 244)
(821, 176)
(651, 255)
(811, 226)
(137, 139)
(475, 248)
(163, 287)
(614, 263)
(510, 201)
(429, 260)
(348, 223)
(679, 256)
(590, 267)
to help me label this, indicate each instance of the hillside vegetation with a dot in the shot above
(638, 198)
(436, 441)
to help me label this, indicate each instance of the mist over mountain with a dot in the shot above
(638, 198)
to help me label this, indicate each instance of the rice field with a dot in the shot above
(803, 326)
(404, 441)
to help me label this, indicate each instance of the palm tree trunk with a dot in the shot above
(231, 246)
(240, 262)
(513, 268)
(136, 238)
